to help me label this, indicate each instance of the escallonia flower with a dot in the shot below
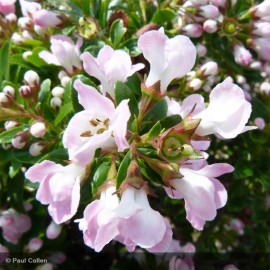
(100, 125)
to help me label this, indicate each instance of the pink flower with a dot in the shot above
(209, 11)
(109, 67)
(168, 58)
(53, 230)
(227, 112)
(100, 125)
(263, 9)
(14, 224)
(64, 53)
(7, 6)
(131, 222)
(242, 56)
(202, 192)
(29, 8)
(34, 245)
(59, 187)
(193, 30)
(260, 123)
(261, 29)
(46, 18)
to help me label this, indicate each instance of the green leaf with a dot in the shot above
(148, 173)
(122, 171)
(100, 176)
(63, 112)
(14, 168)
(44, 90)
(164, 15)
(117, 32)
(132, 45)
(123, 92)
(155, 130)
(5, 155)
(4, 61)
(7, 136)
(23, 156)
(134, 84)
(57, 155)
(170, 121)
(34, 58)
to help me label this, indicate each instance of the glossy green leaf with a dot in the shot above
(7, 136)
(122, 171)
(45, 90)
(4, 61)
(63, 112)
(100, 176)
(164, 15)
(117, 32)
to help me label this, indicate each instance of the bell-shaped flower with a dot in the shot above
(63, 53)
(14, 224)
(59, 187)
(100, 125)
(109, 67)
(226, 115)
(132, 222)
(7, 6)
(202, 192)
(168, 58)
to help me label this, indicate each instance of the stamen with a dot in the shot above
(101, 130)
(106, 122)
(86, 134)
(93, 122)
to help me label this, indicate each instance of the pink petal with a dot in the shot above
(92, 100)
(189, 103)
(39, 171)
(216, 169)
(180, 56)
(196, 222)
(134, 68)
(119, 124)
(221, 195)
(49, 58)
(152, 44)
(46, 18)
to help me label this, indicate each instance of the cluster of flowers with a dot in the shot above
(129, 218)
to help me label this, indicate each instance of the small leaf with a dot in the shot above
(155, 130)
(100, 176)
(34, 58)
(4, 61)
(14, 168)
(63, 112)
(7, 136)
(44, 90)
(57, 155)
(122, 171)
(117, 32)
(164, 15)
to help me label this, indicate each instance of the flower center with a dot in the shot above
(97, 126)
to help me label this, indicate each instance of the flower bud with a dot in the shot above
(193, 30)
(256, 65)
(56, 103)
(36, 148)
(9, 90)
(11, 18)
(31, 78)
(25, 91)
(201, 50)
(34, 245)
(65, 80)
(263, 9)
(62, 74)
(209, 11)
(10, 124)
(240, 79)
(210, 26)
(17, 38)
(242, 56)
(265, 88)
(20, 140)
(260, 123)
(195, 84)
(58, 91)
(5, 100)
(26, 54)
(53, 230)
(24, 22)
(26, 35)
(41, 31)
(209, 68)
(38, 129)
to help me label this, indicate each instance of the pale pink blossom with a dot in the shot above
(53, 230)
(210, 26)
(261, 46)
(100, 125)
(131, 221)
(260, 123)
(209, 11)
(169, 58)
(29, 8)
(193, 30)
(59, 187)
(14, 224)
(34, 245)
(7, 6)
(261, 29)
(242, 56)
(263, 9)
(209, 68)
(63, 53)
(202, 192)
(109, 67)
(226, 115)
(46, 18)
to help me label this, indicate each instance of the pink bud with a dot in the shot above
(31, 78)
(263, 9)
(210, 26)
(209, 11)
(58, 257)
(36, 149)
(5, 99)
(9, 90)
(265, 88)
(25, 91)
(261, 29)
(201, 50)
(219, 3)
(193, 30)
(195, 84)
(65, 80)
(17, 38)
(209, 68)
(34, 245)
(46, 18)
(53, 230)
(10, 124)
(11, 18)
(24, 22)
(20, 140)
(62, 74)
(242, 56)
(56, 103)
(58, 91)
(38, 129)
(260, 123)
